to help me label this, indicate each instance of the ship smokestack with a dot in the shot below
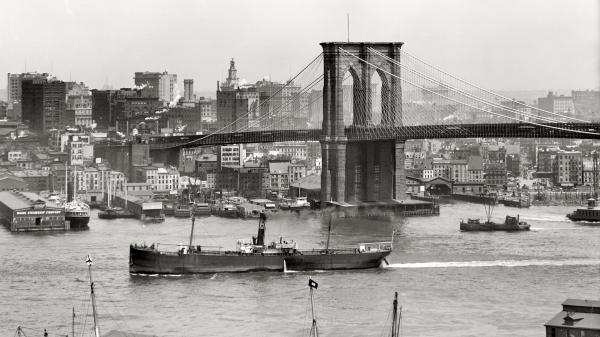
(260, 237)
(69, 191)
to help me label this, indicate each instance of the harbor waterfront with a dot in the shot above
(450, 283)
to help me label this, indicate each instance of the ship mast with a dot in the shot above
(192, 232)
(96, 327)
(595, 173)
(262, 223)
(73, 323)
(396, 318)
(328, 236)
(314, 332)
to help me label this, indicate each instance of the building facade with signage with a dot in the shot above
(24, 211)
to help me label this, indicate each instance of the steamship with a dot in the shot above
(253, 255)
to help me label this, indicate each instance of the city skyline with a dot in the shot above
(538, 43)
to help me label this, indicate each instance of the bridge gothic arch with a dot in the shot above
(375, 170)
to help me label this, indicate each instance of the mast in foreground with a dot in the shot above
(96, 327)
(314, 332)
(396, 318)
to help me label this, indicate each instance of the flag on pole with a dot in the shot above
(89, 260)
(312, 283)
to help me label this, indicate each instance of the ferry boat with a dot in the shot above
(253, 255)
(589, 214)
(78, 214)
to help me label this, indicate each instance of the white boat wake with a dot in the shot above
(497, 263)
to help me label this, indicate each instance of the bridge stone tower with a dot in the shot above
(371, 169)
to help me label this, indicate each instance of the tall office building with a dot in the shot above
(54, 105)
(188, 90)
(157, 85)
(13, 84)
(237, 107)
(32, 101)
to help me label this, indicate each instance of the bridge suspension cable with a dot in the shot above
(469, 95)
(419, 60)
(405, 80)
(314, 65)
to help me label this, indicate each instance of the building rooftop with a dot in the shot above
(311, 182)
(18, 200)
(576, 320)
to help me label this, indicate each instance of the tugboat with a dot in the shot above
(511, 223)
(589, 214)
(252, 255)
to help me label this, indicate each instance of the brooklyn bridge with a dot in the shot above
(372, 97)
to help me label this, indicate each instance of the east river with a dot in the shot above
(450, 283)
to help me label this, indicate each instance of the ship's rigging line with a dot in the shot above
(87, 310)
(118, 320)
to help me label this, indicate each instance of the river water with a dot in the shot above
(450, 283)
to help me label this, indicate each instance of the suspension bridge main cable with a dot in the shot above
(474, 107)
(468, 95)
(485, 90)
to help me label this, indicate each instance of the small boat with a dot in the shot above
(225, 209)
(116, 213)
(589, 214)
(510, 224)
(154, 218)
(299, 204)
(253, 255)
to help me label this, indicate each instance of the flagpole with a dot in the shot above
(73, 323)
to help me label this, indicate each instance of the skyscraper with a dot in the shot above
(188, 90)
(157, 85)
(32, 91)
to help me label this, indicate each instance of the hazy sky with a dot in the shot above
(499, 44)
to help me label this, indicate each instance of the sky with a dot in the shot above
(498, 44)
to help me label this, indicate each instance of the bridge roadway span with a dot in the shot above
(356, 134)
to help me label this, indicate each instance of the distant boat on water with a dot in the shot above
(588, 214)
(510, 223)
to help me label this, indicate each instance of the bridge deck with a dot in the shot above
(357, 134)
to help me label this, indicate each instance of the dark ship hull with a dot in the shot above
(116, 214)
(307, 261)
(144, 260)
(583, 214)
(78, 222)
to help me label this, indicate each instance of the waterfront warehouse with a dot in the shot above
(25, 211)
